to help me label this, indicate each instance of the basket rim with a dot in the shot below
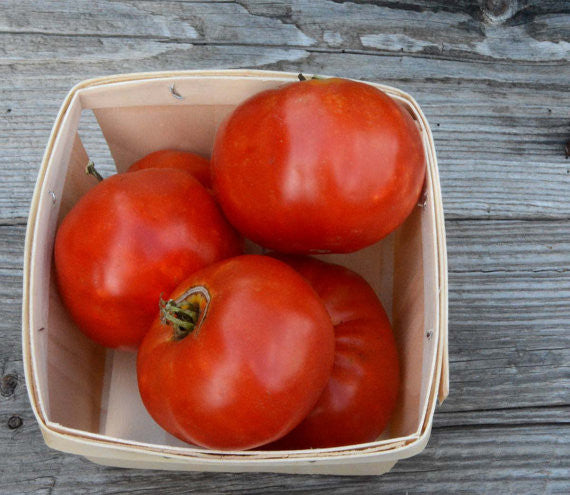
(404, 446)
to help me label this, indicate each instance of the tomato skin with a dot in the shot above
(253, 368)
(318, 166)
(197, 165)
(130, 238)
(361, 395)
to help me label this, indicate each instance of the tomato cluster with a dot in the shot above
(239, 351)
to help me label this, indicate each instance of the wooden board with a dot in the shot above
(495, 86)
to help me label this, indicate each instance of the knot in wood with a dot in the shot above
(15, 422)
(498, 11)
(8, 385)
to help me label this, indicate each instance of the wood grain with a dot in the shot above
(465, 460)
(509, 291)
(463, 31)
(501, 154)
(509, 288)
(501, 149)
(493, 78)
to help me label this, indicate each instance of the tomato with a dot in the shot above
(361, 394)
(327, 165)
(239, 357)
(130, 238)
(197, 165)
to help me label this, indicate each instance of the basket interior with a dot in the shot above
(85, 388)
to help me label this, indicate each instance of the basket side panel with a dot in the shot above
(67, 367)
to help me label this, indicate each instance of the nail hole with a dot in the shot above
(429, 335)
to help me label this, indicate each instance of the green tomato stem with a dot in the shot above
(303, 78)
(183, 320)
(91, 170)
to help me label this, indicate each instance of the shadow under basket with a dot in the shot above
(85, 398)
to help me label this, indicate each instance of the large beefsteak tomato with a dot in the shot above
(197, 165)
(361, 394)
(240, 355)
(130, 238)
(323, 165)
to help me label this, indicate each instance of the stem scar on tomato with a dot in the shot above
(186, 313)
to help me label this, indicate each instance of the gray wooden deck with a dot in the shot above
(493, 78)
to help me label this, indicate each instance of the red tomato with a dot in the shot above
(198, 166)
(130, 238)
(327, 165)
(255, 356)
(361, 394)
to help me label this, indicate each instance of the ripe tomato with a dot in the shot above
(318, 166)
(198, 166)
(254, 357)
(361, 394)
(130, 238)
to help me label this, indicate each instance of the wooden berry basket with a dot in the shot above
(85, 398)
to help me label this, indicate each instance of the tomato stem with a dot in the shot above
(303, 78)
(91, 170)
(183, 317)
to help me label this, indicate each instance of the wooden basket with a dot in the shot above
(85, 398)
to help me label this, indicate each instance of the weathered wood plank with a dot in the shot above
(493, 79)
(77, 54)
(501, 153)
(508, 323)
(512, 416)
(500, 147)
(463, 31)
(529, 460)
(508, 247)
(508, 314)
(500, 373)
